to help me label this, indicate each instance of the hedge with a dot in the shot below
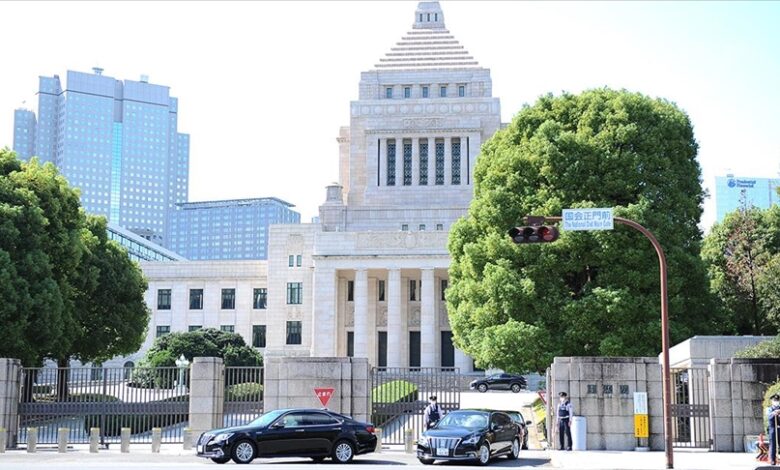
(394, 391)
(244, 392)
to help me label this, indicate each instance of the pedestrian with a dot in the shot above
(432, 414)
(773, 420)
(565, 413)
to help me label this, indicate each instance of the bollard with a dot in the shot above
(156, 440)
(408, 441)
(3, 440)
(124, 445)
(32, 439)
(378, 433)
(94, 440)
(62, 440)
(187, 439)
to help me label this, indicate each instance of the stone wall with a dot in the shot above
(602, 390)
(290, 383)
(737, 388)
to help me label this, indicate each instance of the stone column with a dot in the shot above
(447, 161)
(382, 162)
(394, 327)
(428, 327)
(207, 394)
(371, 347)
(463, 163)
(323, 339)
(10, 378)
(361, 313)
(415, 161)
(399, 161)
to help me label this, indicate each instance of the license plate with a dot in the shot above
(443, 451)
(200, 449)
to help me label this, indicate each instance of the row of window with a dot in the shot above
(424, 91)
(422, 176)
(415, 290)
(421, 227)
(294, 330)
(259, 299)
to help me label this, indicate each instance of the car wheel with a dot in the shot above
(483, 454)
(318, 459)
(220, 460)
(482, 388)
(514, 453)
(516, 388)
(426, 461)
(243, 452)
(343, 451)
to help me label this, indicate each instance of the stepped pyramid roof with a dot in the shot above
(429, 45)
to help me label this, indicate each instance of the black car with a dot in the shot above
(518, 419)
(475, 435)
(499, 382)
(290, 433)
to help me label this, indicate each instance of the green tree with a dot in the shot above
(208, 342)
(589, 293)
(769, 349)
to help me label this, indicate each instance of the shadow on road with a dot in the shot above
(500, 462)
(356, 461)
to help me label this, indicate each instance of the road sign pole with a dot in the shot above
(667, 374)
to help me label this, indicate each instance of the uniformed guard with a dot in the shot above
(565, 413)
(431, 414)
(773, 420)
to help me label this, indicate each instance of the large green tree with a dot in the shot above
(589, 293)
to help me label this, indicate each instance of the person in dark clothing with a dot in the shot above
(773, 421)
(564, 414)
(432, 415)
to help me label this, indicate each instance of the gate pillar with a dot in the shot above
(207, 394)
(10, 378)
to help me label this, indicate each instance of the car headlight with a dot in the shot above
(423, 441)
(223, 437)
(473, 439)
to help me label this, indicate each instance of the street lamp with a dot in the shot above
(182, 363)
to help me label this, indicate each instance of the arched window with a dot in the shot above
(129, 365)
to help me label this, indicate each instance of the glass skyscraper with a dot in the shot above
(232, 229)
(117, 141)
(730, 190)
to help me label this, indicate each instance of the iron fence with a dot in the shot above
(243, 395)
(691, 408)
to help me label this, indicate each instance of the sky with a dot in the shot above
(263, 87)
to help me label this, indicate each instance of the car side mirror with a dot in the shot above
(277, 425)
(528, 423)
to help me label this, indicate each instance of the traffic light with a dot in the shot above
(534, 234)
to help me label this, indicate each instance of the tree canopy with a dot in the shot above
(207, 342)
(590, 293)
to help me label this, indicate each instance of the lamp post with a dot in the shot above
(182, 363)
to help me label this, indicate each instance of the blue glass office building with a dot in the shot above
(117, 141)
(758, 192)
(233, 229)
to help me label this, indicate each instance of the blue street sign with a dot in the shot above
(588, 219)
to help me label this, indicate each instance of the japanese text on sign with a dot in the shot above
(588, 219)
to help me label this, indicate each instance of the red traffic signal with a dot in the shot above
(534, 234)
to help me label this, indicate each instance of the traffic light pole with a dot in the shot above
(667, 373)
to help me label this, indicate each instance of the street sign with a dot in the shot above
(640, 403)
(588, 219)
(324, 394)
(641, 426)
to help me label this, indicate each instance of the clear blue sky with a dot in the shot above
(264, 86)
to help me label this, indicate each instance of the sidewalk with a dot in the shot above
(684, 460)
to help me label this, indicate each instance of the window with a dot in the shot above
(389, 92)
(291, 261)
(228, 299)
(407, 92)
(444, 283)
(439, 227)
(443, 91)
(258, 336)
(425, 92)
(423, 162)
(319, 419)
(412, 289)
(350, 343)
(421, 227)
(293, 332)
(163, 330)
(455, 161)
(414, 349)
(228, 328)
(299, 260)
(192, 328)
(294, 293)
(439, 162)
(404, 227)
(461, 90)
(259, 298)
(196, 299)
(163, 299)
(380, 289)
(350, 291)
(391, 162)
(407, 143)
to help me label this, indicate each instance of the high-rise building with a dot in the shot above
(233, 229)
(731, 191)
(115, 140)
(140, 249)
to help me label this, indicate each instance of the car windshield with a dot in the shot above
(464, 419)
(266, 419)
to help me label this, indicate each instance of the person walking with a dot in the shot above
(432, 415)
(773, 420)
(565, 413)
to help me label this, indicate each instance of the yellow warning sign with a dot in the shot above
(641, 426)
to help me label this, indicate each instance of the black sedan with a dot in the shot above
(313, 433)
(475, 435)
(518, 419)
(499, 382)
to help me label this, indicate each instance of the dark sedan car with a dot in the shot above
(290, 433)
(475, 435)
(499, 382)
(518, 419)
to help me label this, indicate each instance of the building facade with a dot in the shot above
(731, 191)
(117, 141)
(139, 248)
(234, 229)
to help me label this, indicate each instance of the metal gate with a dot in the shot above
(691, 408)
(399, 396)
(243, 395)
(107, 398)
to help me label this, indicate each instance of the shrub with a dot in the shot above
(244, 392)
(394, 391)
(764, 350)
(540, 417)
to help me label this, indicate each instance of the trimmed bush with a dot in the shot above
(395, 391)
(244, 392)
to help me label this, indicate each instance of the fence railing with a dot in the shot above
(243, 395)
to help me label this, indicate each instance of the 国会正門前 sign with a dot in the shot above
(588, 219)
